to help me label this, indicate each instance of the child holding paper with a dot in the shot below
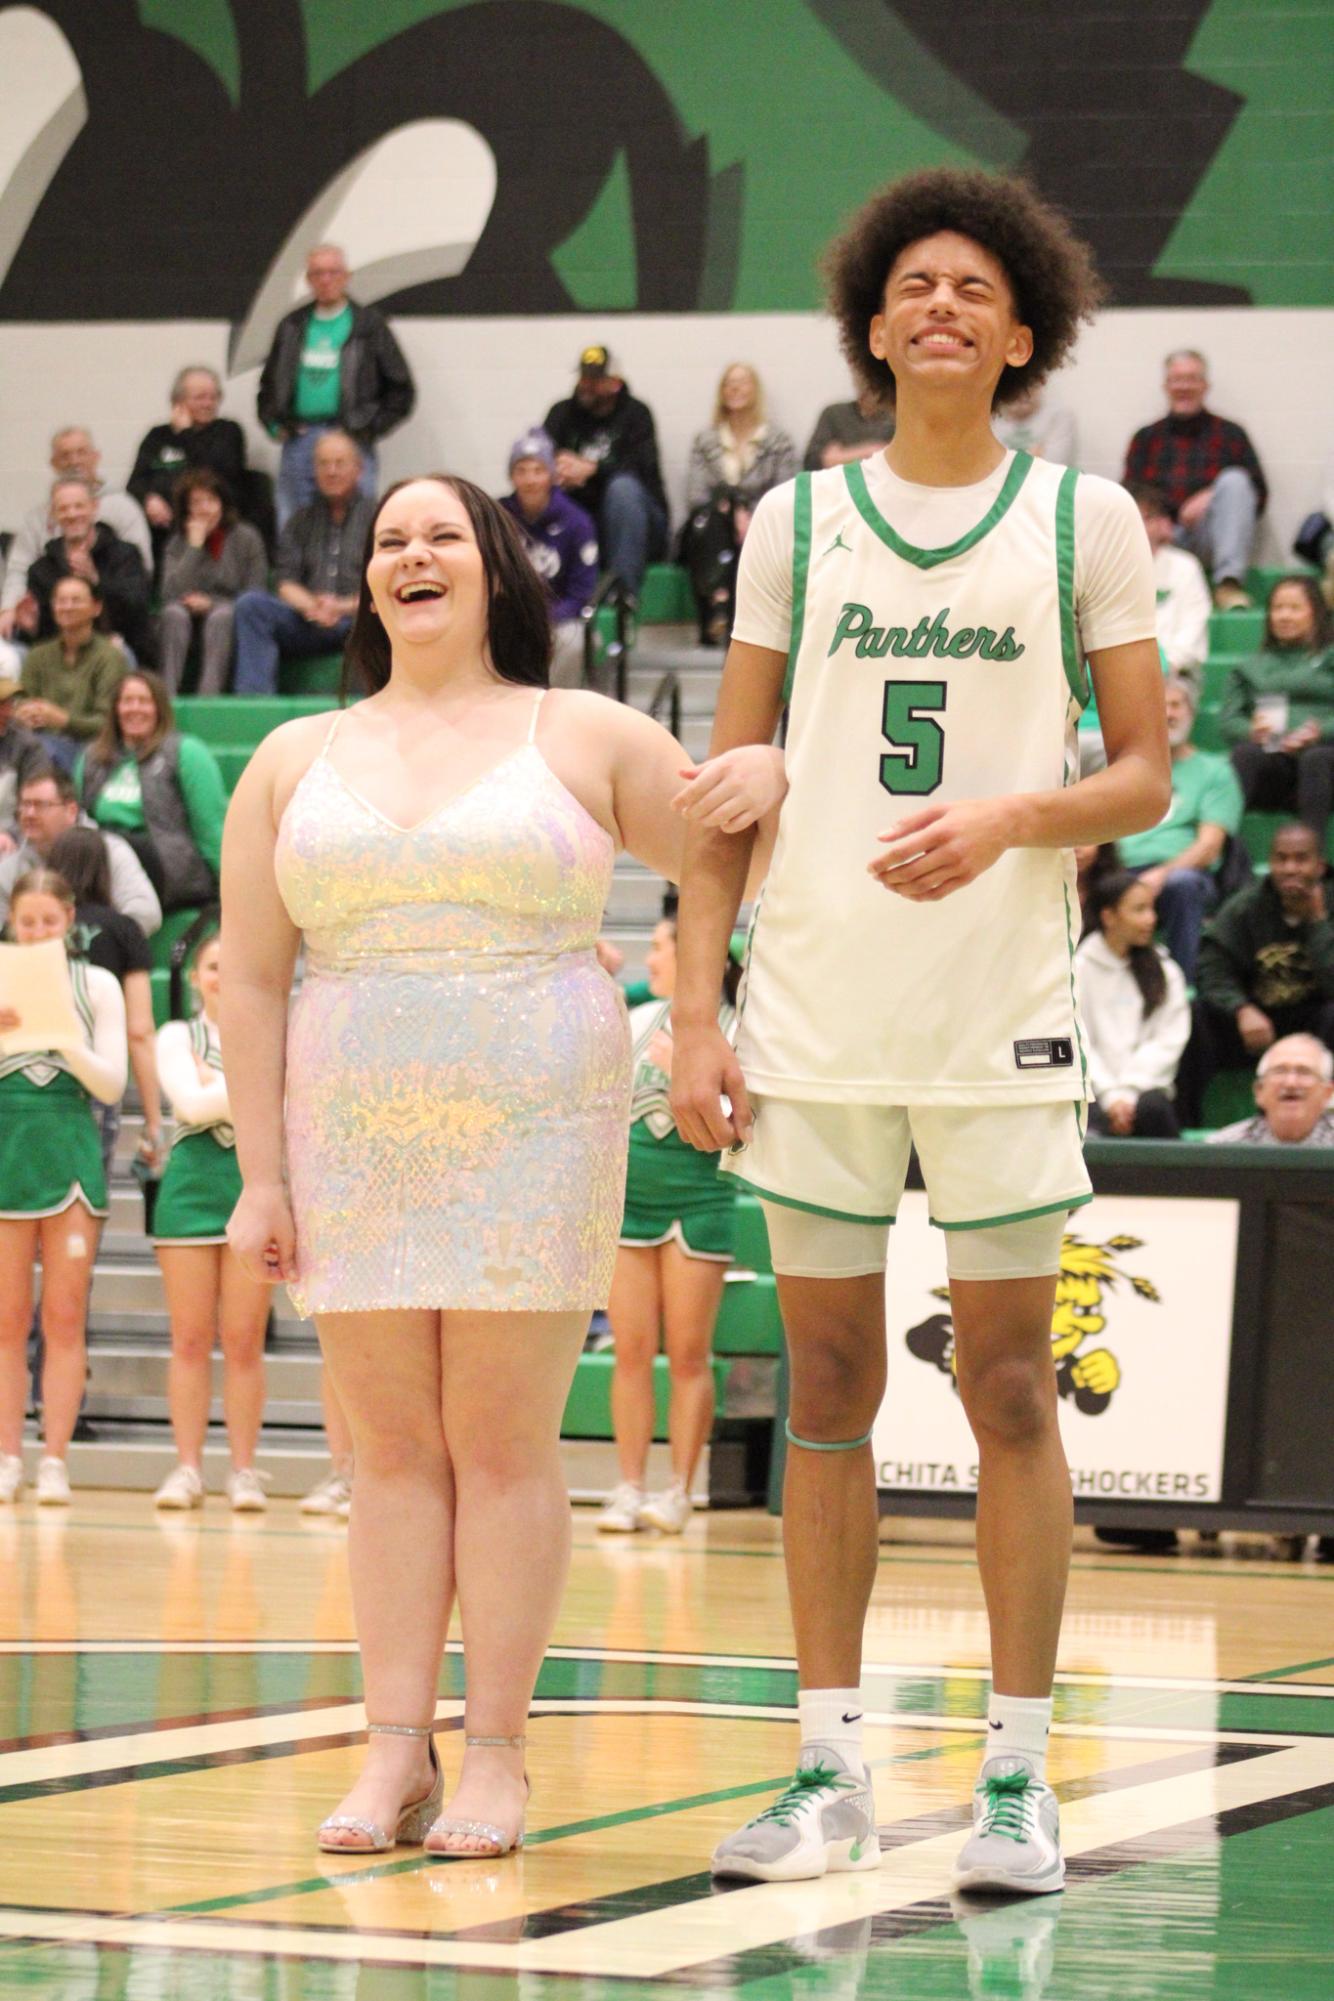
(53, 1191)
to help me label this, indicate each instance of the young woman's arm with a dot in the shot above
(259, 948)
(138, 991)
(193, 1102)
(103, 1068)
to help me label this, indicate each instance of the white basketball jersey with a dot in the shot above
(921, 676)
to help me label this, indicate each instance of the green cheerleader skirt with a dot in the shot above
(50, 1148)
(197, 1193)
(675, 1194)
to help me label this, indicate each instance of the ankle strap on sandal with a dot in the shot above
(507, 1743)
(398, 1729)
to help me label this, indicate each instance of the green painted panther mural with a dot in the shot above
(541, 156)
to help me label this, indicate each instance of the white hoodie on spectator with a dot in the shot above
(1128, 1053)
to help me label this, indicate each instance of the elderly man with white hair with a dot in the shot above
(73, 455)
(1294, 1088)
(1209, 472)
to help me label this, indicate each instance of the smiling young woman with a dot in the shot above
(433, 1155)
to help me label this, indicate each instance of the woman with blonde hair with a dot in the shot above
(53, 1189)
(732, 463)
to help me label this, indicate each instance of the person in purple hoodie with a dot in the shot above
(562, 546)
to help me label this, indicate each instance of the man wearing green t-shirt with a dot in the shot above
(1178, 859)
(334, 364)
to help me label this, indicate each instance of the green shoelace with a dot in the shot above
(1007, 1807)
(814, 1779)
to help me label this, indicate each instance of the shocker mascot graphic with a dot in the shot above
(1085, 1370)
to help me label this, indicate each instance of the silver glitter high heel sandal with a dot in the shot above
(414, 1820)
(482, 1830)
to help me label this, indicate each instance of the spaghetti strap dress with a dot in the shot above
(458, 1063)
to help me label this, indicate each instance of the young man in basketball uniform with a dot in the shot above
(926, 616)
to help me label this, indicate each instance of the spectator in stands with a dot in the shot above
(73, 455)
(53, 1191)
(210, 1295)
(732, 464)
(21, 753)
(68, 682)
(209, 561)
(562, 544)
(1031, 422)
(1178, 860)
(318, 574)
(607, 459)
(853, 430)
(85, 547)
(334, 366)
(677, 1239)
(105, 938)
(193, 437)
(48, 808)
(1294, 1088)
(1278, 709)
(1184, 603)
(1132, 997)
(1208, 469)
(1091, 865)
(159, 790)
(1266, 964)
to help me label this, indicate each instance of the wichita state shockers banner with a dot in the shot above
(1141, 1336)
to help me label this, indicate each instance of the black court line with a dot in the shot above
(846, 1942)
(48, 1740)
(835, 1943)
(695, 1888)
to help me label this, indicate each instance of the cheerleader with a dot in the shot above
(677, 1240)
(53, 1190)
(208, 1291)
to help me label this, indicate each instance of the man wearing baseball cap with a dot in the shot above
(562, 545)
(607, 459)
(21, 751)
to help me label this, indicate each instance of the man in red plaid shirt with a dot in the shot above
(1209, 471)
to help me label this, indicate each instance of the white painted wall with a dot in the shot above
(482, 381)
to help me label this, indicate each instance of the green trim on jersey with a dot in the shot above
(810, 1208)
(1076, 668)
(1019, 1216)
(801, 562)
(927, 559)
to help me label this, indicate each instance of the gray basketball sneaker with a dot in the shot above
(824, 1821)
(1015, 1845)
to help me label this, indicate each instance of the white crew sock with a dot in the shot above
(1017, 1727)
(833, 1716)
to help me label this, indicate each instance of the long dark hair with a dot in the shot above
(109, 746)
(80, 855)
(518, 625)
(1146, 966)
(1320, 619)
(200, 479)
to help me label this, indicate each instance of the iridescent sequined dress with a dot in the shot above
(458, 1073)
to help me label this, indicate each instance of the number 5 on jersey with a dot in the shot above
(915, 763)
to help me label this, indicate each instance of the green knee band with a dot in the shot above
(815, 1445)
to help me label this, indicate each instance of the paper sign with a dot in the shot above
(35, 983)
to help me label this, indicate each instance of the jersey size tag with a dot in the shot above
(1044, 1052)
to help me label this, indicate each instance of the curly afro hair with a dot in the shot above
(1050, 269)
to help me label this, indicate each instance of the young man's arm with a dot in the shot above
(931, 853)
(713, 880)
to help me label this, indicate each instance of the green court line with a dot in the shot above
(1286, 1673)
(597, 1825)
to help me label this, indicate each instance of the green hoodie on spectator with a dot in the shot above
(1252, 953)
(1307, 679)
